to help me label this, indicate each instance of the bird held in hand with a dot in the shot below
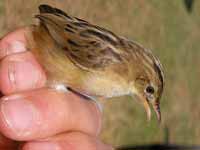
(93, 61)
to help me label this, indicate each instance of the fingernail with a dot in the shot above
(18, 70)
(18, 114)
(16, 46)
(43, 146)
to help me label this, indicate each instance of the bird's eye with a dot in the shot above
(150, 89)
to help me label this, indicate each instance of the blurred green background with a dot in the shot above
(164, 26)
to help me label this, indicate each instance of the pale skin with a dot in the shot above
(39, 118)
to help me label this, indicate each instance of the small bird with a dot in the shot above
(93, 61)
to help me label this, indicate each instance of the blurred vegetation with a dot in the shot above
(163, 26)
(189, 5)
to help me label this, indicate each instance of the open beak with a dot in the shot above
(156, 108)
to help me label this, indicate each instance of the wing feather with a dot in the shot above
(88, 46)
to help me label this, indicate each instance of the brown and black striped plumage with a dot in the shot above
(94, 61)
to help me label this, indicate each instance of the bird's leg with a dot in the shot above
(87, 97)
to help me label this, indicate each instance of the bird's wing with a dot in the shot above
(88, 46)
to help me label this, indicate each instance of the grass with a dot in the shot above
(172, 34)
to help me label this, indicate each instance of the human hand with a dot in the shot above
(39, 118)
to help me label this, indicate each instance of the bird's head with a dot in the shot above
(148, 86)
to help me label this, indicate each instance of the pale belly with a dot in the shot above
(106, 85)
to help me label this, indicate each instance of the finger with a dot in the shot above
(44, 113)
(20, 72)
(14, 42)
(69, 141)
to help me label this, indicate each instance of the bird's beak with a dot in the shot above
(147, 109)
(156, 108)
